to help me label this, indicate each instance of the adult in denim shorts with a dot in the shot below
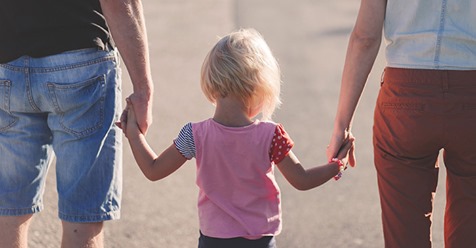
(426, 104)
(60, 94)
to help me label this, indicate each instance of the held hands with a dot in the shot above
(343, 155)
(346, 150)
(128, 122)
(340, 143)
(142, 105)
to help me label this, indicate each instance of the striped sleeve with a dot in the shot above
(184, 142)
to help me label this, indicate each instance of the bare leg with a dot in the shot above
(82, 235)
(14, 231)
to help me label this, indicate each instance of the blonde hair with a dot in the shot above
(242, 65)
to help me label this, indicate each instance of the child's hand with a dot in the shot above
(132, 128)
(128, 121)
(121, 123)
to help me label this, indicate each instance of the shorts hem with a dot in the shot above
(20, 211)
(113, 215)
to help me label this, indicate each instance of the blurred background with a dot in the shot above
(309, 39)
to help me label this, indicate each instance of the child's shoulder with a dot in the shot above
(205, 122)
(277, 125)
(267, 123)
(200, 122)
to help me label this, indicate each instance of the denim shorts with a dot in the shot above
(63, 105)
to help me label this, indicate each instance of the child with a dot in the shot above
(239, 200)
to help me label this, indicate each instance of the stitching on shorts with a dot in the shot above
(6, 105)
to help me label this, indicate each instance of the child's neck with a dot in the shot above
(231, 112)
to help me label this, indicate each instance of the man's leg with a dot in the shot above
(86, 99)
(14, 231)
(79, 235)
(25, 155)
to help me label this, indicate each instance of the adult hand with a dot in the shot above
(125, 19)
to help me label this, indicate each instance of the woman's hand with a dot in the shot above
(342, 146)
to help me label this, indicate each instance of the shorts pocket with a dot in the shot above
(6, 119)
(79, 106)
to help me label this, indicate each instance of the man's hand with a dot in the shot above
(142, 105)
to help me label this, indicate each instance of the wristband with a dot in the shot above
(340, 165)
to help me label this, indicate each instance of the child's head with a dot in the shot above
(242, 65)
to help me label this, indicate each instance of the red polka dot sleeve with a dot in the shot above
(281, 145)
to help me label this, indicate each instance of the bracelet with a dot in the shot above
(340, 165)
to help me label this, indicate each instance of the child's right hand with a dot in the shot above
(129, 122)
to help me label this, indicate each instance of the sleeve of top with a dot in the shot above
(184, 142)
(281, 145)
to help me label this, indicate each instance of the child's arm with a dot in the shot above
(155, 167)
(305, 179)
(152, 166)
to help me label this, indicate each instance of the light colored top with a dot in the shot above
(238, 193)
(431, 34)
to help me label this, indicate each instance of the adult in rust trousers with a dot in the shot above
(426, 104)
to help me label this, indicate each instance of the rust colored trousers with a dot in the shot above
(419, 113)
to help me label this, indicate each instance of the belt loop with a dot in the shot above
(111, 43)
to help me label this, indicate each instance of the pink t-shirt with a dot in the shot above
(238, 193)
